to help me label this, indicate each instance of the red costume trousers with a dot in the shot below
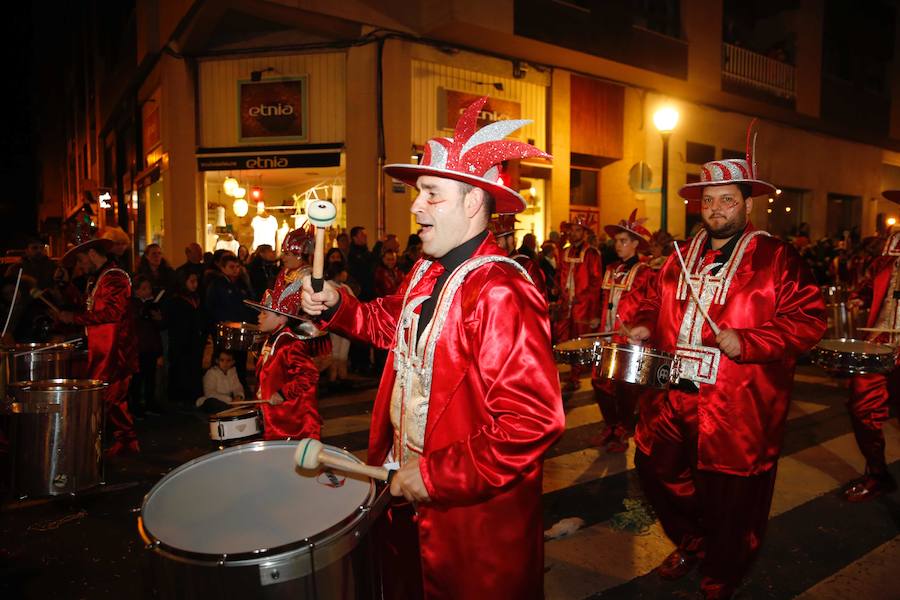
(869, 408)
(118, 418)
(617, 402)
(398, 549)
(723, 515)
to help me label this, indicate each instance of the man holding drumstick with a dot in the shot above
(470, 400)
(870, 393)
(707, 460)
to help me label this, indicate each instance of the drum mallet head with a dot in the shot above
(307, 454)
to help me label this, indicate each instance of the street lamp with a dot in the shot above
(665, 119)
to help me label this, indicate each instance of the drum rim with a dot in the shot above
(820, 348)
(638, 349)
(254, 414)
(592, 341)
(323, 538)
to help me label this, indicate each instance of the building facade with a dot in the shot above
(298, 100)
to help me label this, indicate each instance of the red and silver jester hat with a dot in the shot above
(730, 171)
(633, 226)
(300, 241)
(474, 157)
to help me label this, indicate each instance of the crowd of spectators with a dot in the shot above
(178, 308)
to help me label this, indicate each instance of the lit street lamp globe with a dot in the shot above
(665, 119)
(230, 185)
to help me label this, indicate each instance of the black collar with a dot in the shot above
(461, 253)
(631, 262)
(726, 251)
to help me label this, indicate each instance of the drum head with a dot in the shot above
(855, 346)
(574, 345)
(249, 498)
(233, 414)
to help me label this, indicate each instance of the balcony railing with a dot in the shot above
(759, 72)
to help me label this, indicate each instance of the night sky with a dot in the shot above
(18, 212)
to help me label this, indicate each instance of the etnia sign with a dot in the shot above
(273, 110)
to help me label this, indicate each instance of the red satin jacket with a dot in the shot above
(110, 324)
(534, 270)
(288, 370)
(587, 271)
(495, 409)
(778, 312)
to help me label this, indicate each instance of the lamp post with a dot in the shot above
(665, 119)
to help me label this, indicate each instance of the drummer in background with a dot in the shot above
(625, 284)
(111, 336)
(469, 411)
(580, 274)
(504, 229)
(870, 394)
(707, 461)
(287, 375)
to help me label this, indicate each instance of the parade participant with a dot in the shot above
(580, 274)
(870, 397)
(625, 284)
(287, 375)
(504, 229)
(470, 400)
(111, 339)
(707, 460)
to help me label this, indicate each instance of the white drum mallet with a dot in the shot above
(322, 214)
(312, 454)
(39, 295)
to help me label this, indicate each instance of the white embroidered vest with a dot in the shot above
(414, 356)
(697, 362)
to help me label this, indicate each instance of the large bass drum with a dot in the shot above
(247, 523)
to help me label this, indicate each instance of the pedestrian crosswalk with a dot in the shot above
(619, 544)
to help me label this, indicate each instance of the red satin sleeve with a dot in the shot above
(799, 321)
(373, 322)
(302, 374)
(647, 312)
(110, 301)
(511, 345)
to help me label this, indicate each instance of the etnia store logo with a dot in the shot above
(268, 110)
(273, 109)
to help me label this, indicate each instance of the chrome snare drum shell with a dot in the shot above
(848, 356)
(579, 351)
(635, 364)
(233, 335)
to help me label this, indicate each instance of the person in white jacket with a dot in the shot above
(221, 385)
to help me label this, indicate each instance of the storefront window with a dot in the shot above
(149, 228)
(273, 203)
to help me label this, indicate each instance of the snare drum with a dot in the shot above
(851, 357)
(579, 351)
(635, 364)
(232, 335)
(235, 426)
(247, 523)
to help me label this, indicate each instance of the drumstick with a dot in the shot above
(877, 330)
(690, 284)
(320, 213)
(39, 295)
(236, 402)
(50, 347)
(311, 454)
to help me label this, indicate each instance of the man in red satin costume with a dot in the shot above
(504, 229)
(625, 284)
(707, 460)
(579, 276)
(871, 393)
(286, 373)
(469, 401)
(111, 335)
